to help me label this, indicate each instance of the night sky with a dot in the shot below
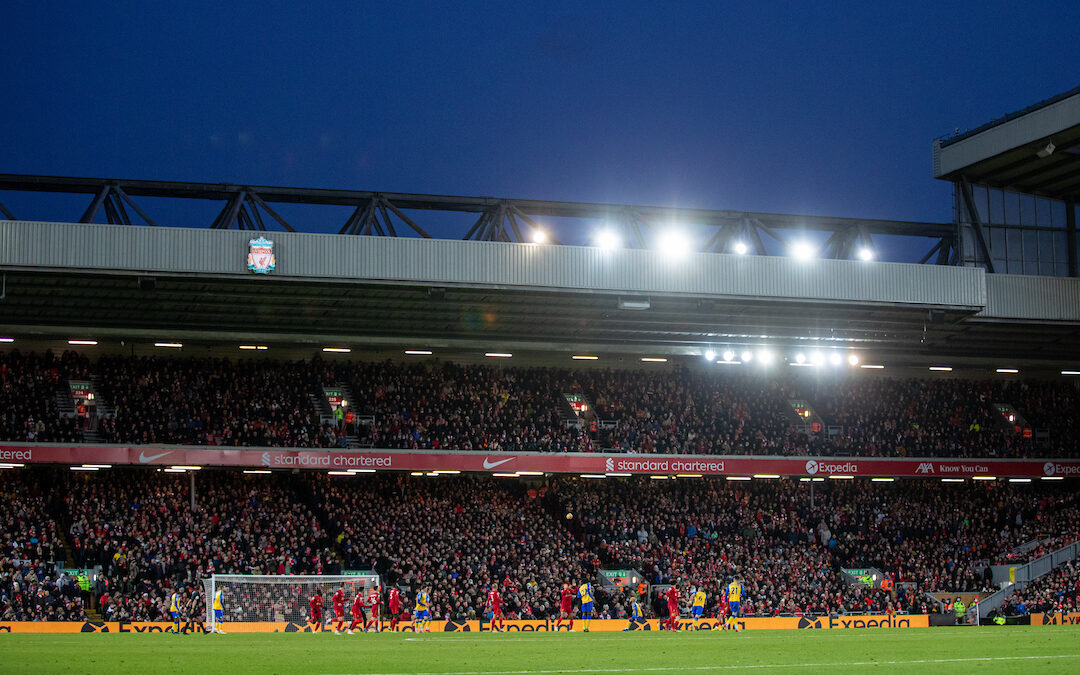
(818, 108)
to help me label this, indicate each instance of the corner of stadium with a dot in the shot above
(742, 449)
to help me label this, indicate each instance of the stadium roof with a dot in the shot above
(1035, 150)
(77, 280)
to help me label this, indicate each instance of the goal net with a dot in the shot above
(272, 598)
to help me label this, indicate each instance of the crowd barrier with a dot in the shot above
(748, 623)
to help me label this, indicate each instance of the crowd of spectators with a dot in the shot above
(190, 401)
(149, 536)
(441, 405)
(692, 412)
(789, 549)
(459, 535)
(463, 407)
(1056, 592)
(28, 388)
(1051, 407)
(140, 527)
(916, 418)
(30, 588)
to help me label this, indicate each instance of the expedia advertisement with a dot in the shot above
(751, 623)
(1056, 619)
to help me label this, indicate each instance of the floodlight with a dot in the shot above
(740, 248)
(673, 244)
(853, 360)
(539, 236)
(729, 355)
(802, 250)
(866, 254)
(835, 359)
(607, 240)
(710, 355)
(747, 356)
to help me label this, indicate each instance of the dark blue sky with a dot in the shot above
(821, 108)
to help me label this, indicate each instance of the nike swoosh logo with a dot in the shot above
(143, 459)
(492, 465)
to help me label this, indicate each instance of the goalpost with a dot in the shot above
(274, 598)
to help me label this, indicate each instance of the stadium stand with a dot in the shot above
(704, 531)
(30, 588)
(140, 527)
(28, 388)
(438, 405)
(463, 407)
(462, 534)
(196, 401)
(1058, 591)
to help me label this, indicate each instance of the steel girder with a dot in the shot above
(375, 213)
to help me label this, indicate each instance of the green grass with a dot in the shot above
(1006, 649)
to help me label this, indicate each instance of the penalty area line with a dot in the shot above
(751, 666)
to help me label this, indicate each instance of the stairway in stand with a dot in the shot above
(346, 393)
(102, 408)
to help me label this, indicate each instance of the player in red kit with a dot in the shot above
(394, 605)
(673, 607)
(316, 611)
(358, 615)
(374, 599)
(338, 601)
(566, 606)
(721, 613)
(494, 602)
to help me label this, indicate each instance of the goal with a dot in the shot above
(273, 598)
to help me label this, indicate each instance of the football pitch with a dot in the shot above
(1009, 649)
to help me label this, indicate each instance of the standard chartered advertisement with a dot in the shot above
(676, 466)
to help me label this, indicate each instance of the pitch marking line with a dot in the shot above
(757, 666)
